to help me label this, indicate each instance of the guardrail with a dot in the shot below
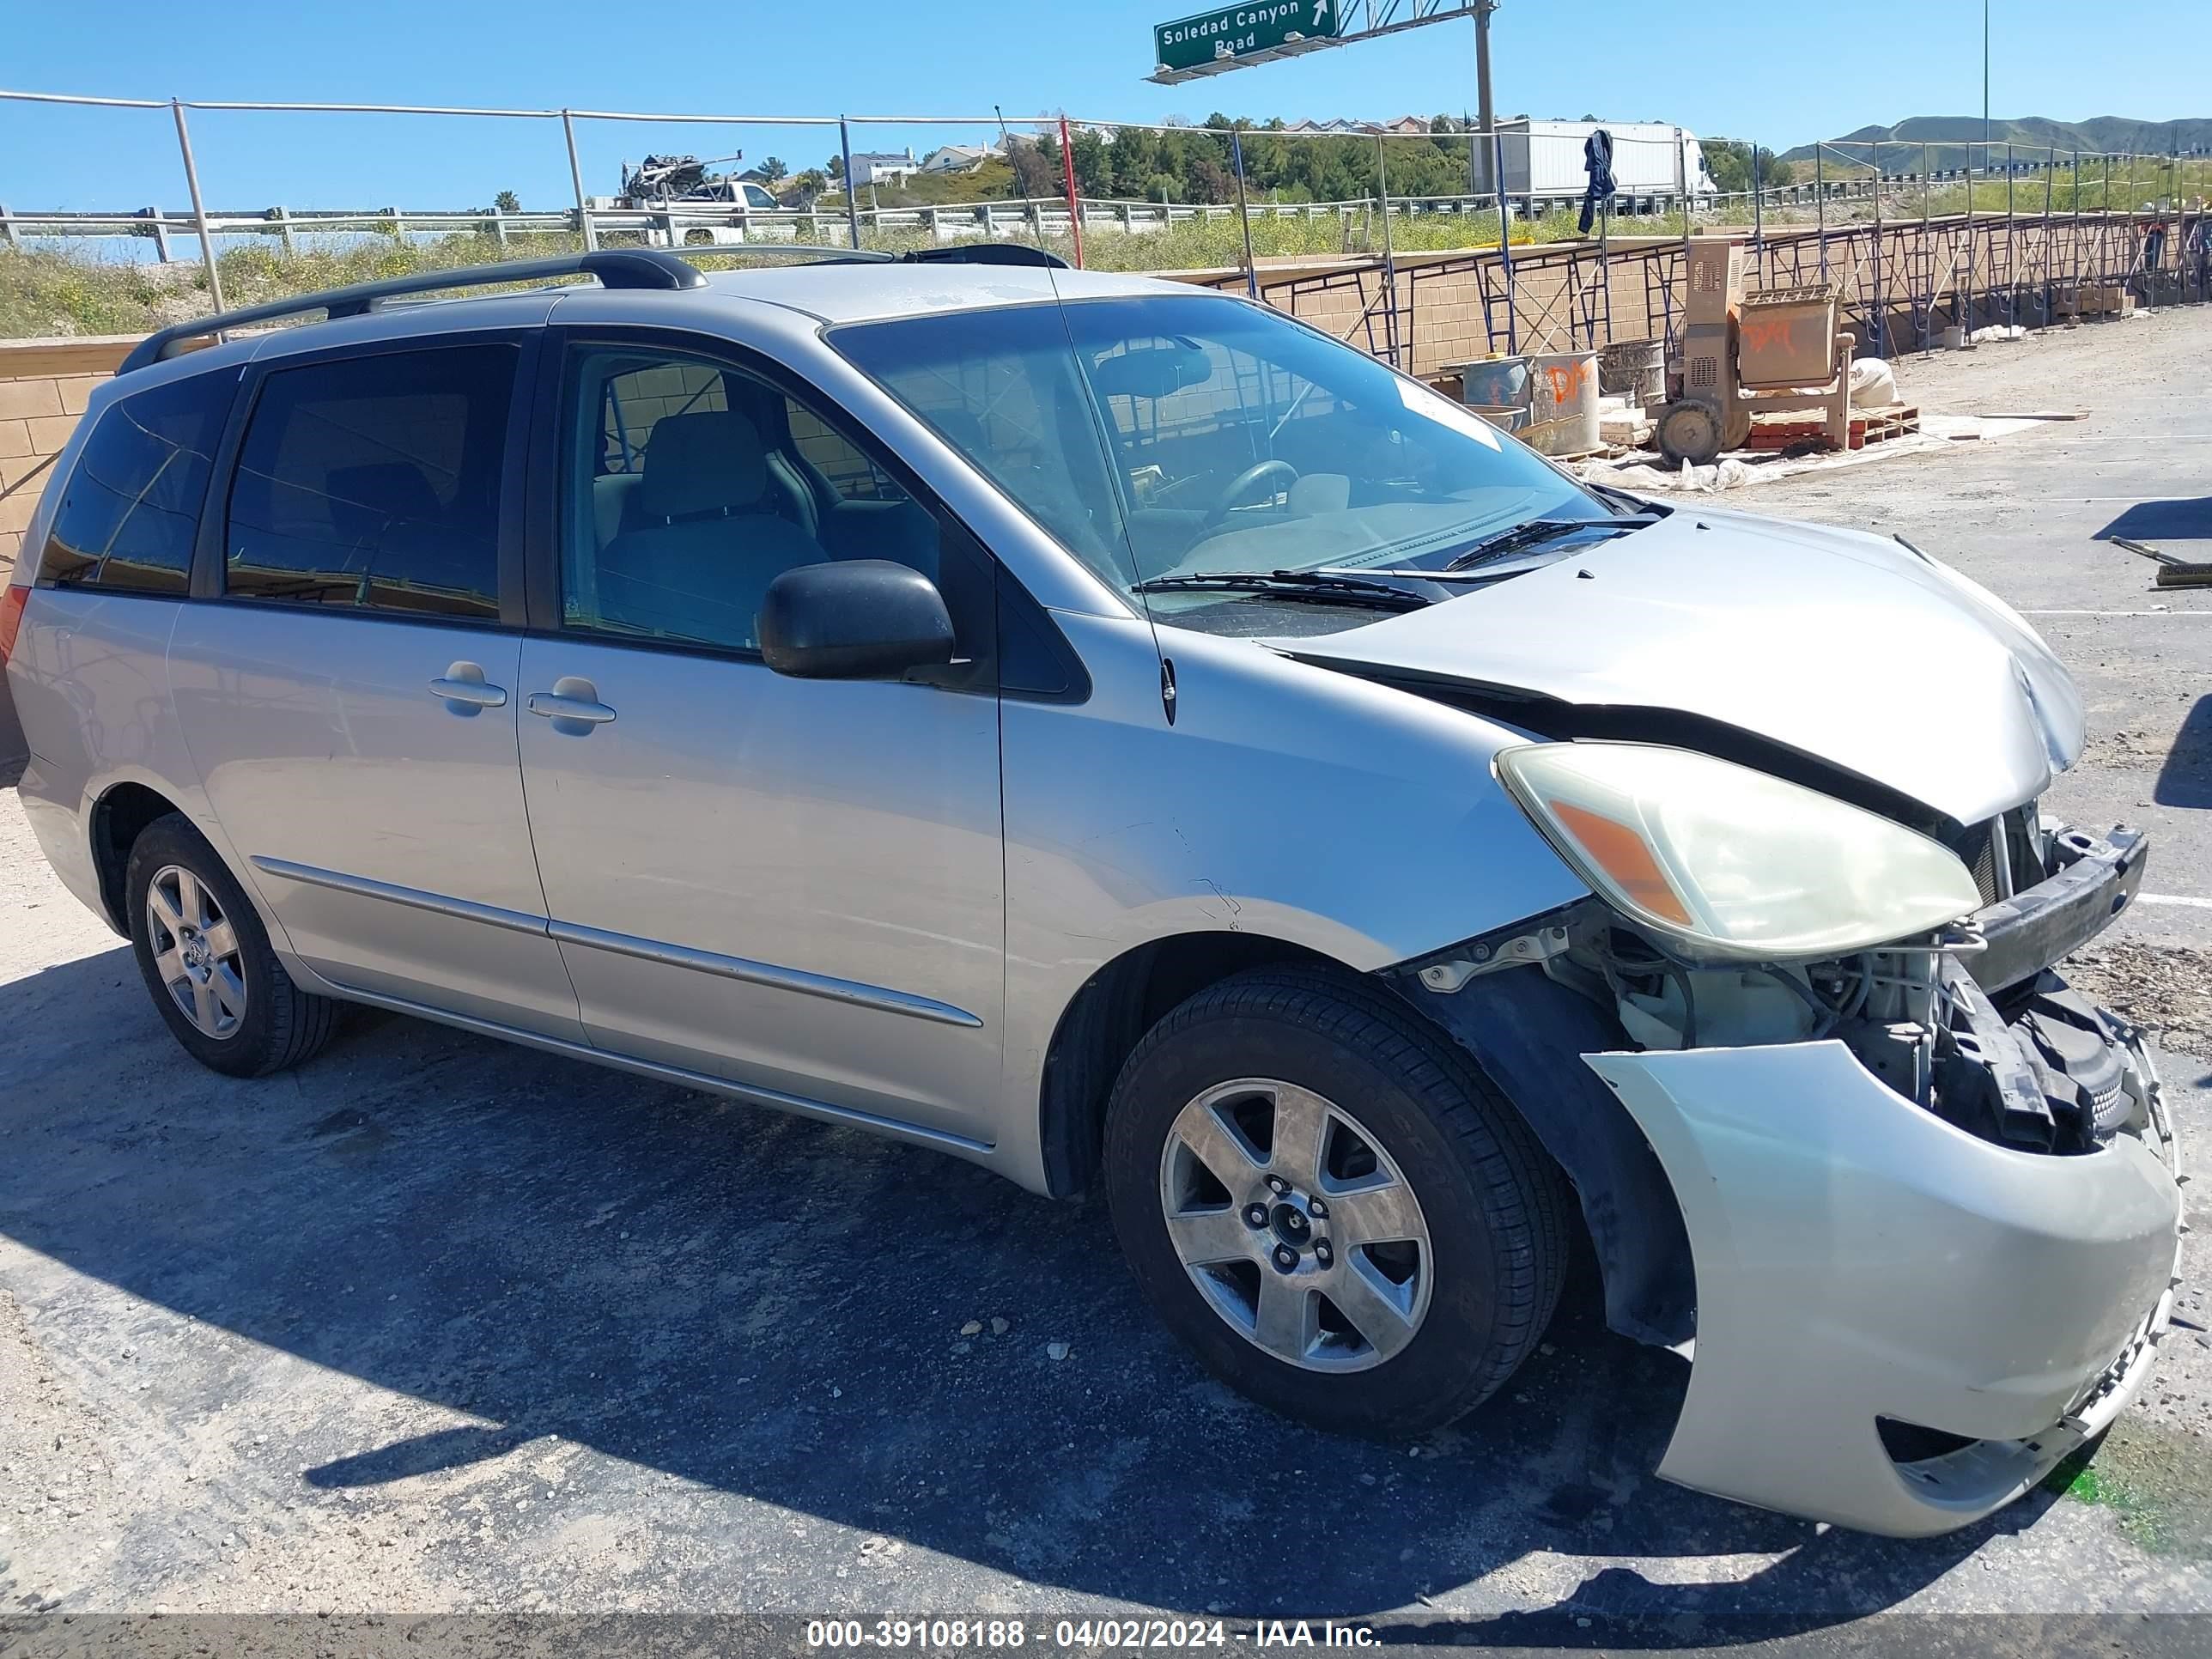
(681, 223)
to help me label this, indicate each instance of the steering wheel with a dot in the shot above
(1281, 474)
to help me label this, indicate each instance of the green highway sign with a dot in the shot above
(1229, 36)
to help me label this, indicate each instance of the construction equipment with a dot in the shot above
(1752, 355)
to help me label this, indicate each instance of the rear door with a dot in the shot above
(795, 884)
(349, 691)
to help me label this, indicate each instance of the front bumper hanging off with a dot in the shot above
(1861, 1261)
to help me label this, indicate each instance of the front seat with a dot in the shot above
(707, 539)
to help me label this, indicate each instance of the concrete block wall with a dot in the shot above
(44, 386)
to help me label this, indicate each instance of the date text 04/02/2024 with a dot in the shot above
(1105, 1635)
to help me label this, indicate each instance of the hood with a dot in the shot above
(1832, 643)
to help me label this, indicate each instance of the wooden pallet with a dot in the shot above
(1871, 426)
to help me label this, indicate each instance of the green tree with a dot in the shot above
(507, 202)
(773, 170)
(1730, 166)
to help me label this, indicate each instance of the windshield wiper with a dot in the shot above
(1312, 584)
(1542, 530)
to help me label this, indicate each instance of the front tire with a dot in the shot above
(207, 960)
(1323, 1197)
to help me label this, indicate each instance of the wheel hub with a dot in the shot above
(1291, 1223)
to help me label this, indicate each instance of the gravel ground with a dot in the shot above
(435, 1324)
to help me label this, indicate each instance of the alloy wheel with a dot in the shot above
(196, 950)
(1295, 1223)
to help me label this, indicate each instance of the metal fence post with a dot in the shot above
(584, 226)
(7, 227)
(2076, 237)
(1074, 206)
(199, 208)
(1505, 235)
(1390, 264)
(1244, 212)
(1881, 329)
(2049, 173)
(284, 229)
(1758, 199)
(852, 190)
(1820, 207)
(1682, 195)
(1966, 321)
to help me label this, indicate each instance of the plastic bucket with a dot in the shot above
(1634, 369)
(1562, 401)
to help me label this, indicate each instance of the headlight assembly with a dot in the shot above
(1736, 865)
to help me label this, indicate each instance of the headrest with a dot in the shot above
(708, 462)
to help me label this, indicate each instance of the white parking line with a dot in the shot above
(2173, 898)
(2115, 613)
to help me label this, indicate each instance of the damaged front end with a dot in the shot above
(1912, 1210)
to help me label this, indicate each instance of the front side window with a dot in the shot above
(691, 485)
(372, 483)
(132, 509)
(1235, 440)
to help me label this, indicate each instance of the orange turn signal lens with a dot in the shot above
(1621, 851)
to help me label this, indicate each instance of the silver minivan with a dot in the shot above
(1116, 734)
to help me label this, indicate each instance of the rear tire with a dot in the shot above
(207, 960)
(1412, 1253)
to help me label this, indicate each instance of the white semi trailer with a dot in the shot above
(1543, 159)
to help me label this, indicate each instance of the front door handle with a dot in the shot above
(462, 688)
(572, 698)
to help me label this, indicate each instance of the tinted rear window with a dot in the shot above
(132, 509)
(372, 483)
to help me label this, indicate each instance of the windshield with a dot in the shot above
(1171, 437)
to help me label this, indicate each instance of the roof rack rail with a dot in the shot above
(631, 268)
(985, 253)
(956, 253)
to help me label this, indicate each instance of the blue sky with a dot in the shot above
(1779, 70)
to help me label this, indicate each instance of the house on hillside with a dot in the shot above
(883, 166)
(953, 158)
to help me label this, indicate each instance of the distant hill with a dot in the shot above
(1953, 140)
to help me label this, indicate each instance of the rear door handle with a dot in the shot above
(462, 684)
(572, 698)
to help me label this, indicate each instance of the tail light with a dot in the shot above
(12, 599)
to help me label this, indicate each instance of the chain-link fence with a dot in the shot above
(1423, 241)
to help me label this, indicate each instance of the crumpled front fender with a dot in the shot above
(1858, 1257)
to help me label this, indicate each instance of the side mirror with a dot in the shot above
(854, 619)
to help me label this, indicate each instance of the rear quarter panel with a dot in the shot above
(91, 682)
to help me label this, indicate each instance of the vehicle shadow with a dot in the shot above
(771, 1311)
(2159, 521)
(2185, 777)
